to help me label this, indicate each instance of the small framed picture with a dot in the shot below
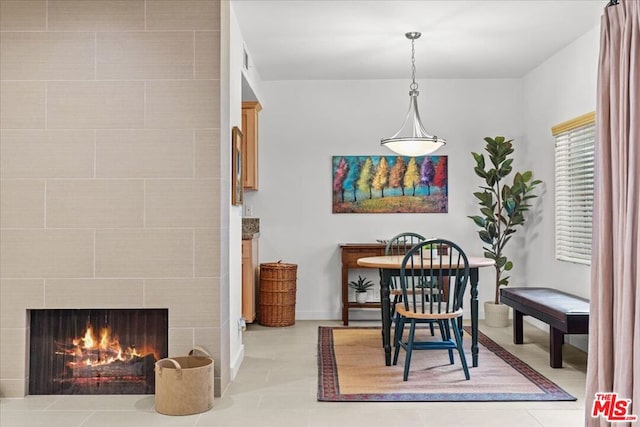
(236, 166)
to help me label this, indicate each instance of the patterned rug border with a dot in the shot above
(329, 388)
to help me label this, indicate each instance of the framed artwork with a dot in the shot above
(390, 184)
(236, 166)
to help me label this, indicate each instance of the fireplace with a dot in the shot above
(96, 351)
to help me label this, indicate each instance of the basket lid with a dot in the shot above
(278, 264)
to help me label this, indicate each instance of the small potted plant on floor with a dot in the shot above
(361, 286)
(502, 208)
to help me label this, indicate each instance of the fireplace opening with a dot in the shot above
(96, 351)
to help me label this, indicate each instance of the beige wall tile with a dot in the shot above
(207, 153)
(12, 353)
(192, 302)
(91, 293)
(222, 290)
(23, 15)
(144, 253)
(180, 340)
(212, 339)
(183, 104)
(21, 203)
(144, 153)
(207, 55)
(96, 15)
(13, 388)
(99, 105)
(145, 55)
(47, 56)
(95, 203)
(182, 203)
(46, 154)
(209, 339)
(46, 253)
(16, 295)
(22, 105)
(183, 14)
(207, 252)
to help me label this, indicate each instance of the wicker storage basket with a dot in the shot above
(277, 298)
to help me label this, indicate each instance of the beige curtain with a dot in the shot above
(614, 328)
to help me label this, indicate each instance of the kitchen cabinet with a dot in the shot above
(250, 278)
(250, 110)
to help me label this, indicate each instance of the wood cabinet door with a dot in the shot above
(250, 145)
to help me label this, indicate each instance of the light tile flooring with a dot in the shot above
(276, 386)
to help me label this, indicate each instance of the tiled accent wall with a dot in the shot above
(110, 168)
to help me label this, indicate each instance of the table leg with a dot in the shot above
(473, 276)
(385, 307)
(345, 295)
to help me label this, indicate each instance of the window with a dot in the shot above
(574, 188)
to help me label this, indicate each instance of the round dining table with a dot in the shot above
(389, 266)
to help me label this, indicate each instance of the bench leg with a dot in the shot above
(556, 339)
(517, 327)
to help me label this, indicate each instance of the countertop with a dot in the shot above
(250, 228)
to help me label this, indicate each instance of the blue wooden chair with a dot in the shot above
(399, 245)
(433, 284)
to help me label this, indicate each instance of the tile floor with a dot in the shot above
(276, 386)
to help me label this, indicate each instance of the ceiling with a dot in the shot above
(323, 39)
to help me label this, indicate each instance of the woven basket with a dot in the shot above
(277, 294)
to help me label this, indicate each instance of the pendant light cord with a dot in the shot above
(413, 85)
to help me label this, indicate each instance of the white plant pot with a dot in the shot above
(496, 315)
(361, 297)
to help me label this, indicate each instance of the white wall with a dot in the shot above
(305, 123)
(561, 88)
(232, 64)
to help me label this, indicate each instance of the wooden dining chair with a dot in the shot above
(399, 245)
(432, 284)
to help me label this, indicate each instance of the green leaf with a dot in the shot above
(508, 266)
(479, 158)
(510, 205)
(480, 222)
(490, 255)
(487, 212)
(484, 236)
(480, 172)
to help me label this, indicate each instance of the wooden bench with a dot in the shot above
(563, 312)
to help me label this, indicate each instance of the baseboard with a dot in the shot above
(235, 366)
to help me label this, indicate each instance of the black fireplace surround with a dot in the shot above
(96, 351)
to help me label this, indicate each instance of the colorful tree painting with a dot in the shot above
(390, 184)
(339, 177)
(396, 178)
(412, 176)
(366, 177)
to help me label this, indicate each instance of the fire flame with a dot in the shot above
(91, 351)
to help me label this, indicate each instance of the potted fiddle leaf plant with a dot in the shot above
(503, 207)
(361, 286)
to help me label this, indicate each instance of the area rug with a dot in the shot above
(351, 368)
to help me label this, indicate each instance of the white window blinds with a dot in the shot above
(575, 141)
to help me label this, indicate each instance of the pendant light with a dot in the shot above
(412, 139)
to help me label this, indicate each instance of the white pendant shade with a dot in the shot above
(412, 139)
